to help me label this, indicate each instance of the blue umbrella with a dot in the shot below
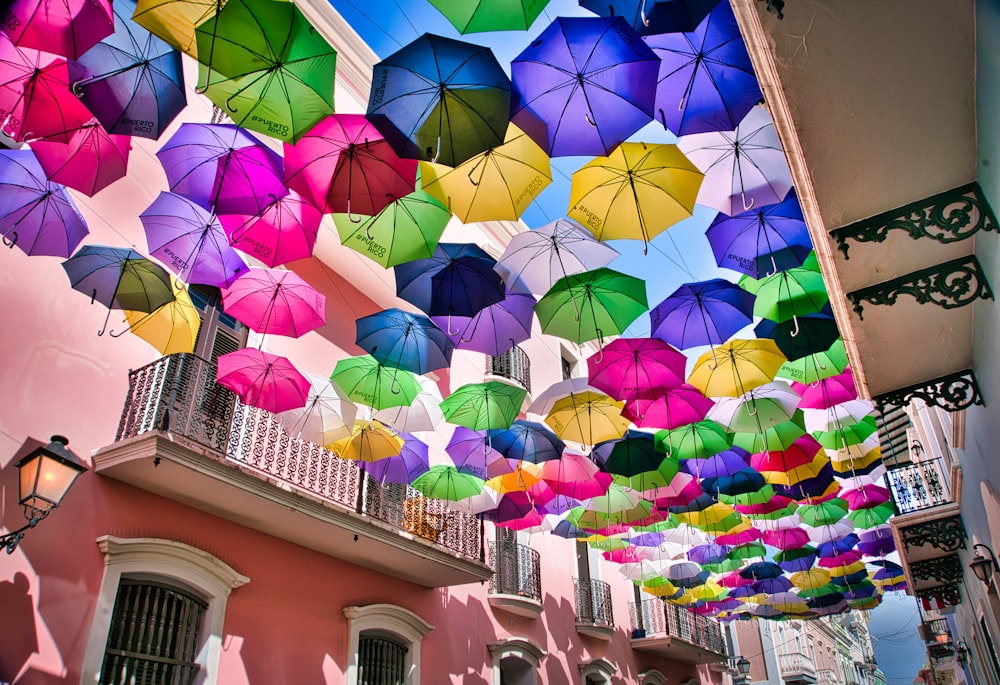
(810, 487)
(838, 547)
(762, 570)
(527, 441)
(706, 81)
(630, 455)
(772, 586)
(650, 17)
(739, 483)
(440, 100)
(793, 560)
(404, 341)
(583, 86)
(760, 242)
(132, 81)
(457, 280)
(703, 313)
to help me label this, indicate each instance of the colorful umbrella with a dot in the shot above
(494, 15)
(89, 161)
(815, 367)
(789, 294)
(672, 409)
(367, 382)
(404, 341)
(37, 215)
(631, 369)
(190, 241)
(344, 165)
(694, 441)
(736, 367)
(651, 17)
(447, 483)
(368, 441)
(495, 329)
(587, 417)
(174, 21)
(422, 414)
(407, 229)
(170, 329)
(282, 232)
(481, 406)
(471, 452)
(405, 467)
(327, 416)
(276, 302)
(132, 81)
(263, 380)
(827, 392)
(803, 335)
(458, 280)
(67, 28)
(756, 410)
(267, 67)
(636, 192)
(527, 441)
(591, 305)
(702, 313)
(440, 100)
(583, 86)
(629, 455)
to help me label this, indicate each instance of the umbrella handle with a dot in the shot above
(10, 243)
(450, 332)
(586, 115)
(663, 119)
(743, 197)
(105, 327)
(437, 153)
(796, 331)
(351, 218)
(642, 12)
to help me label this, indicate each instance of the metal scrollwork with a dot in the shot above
(946, 534)
(942, 569)
(954, 392)
(943, 595)
(949, 285)
(947, 217)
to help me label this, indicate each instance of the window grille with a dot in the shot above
(381, 661)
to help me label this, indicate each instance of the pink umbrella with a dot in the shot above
(282, 232)
(865, 496)
(683, 489)
(786, 538)
(631, 369)
(576, 476)
(345, 165)
(827, 392)
(740, 538)
(67, 28)
(89, 161)
(274, 301)
(799, 453)
(628, 555)
(263, 380)
(678, 407)
(776, 503)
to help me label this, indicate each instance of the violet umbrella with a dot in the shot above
(263, 380)
(706, 79)
(67, 28)
(132, 81)
(458, 280)
(583, 86)
(89, 161)
(472, 454)
(702, 313)
(282, 232)
(223, 168)
(877, 542)
(275, 301)
(343, 164)
(405, 467)
(190, 241)
(36, 214)
(495, 329)
(677, 407)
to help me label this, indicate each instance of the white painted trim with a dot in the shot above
(600, 667)
(196, 570)
(388, 618)
(652, 676)
(518, 648)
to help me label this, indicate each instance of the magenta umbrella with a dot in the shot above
(65, 27)
(263, 380)
(275, 301)
(677, 407)
(345, 165)
(827, 392)
(282, 232)
(89, 161)
(632, 369)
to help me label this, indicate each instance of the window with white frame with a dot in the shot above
(515, 661)
(383, 645)
(597, 672)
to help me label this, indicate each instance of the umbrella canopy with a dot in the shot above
(672, 409)
(651, 17)
(758, 409)
(367, 382)
(267, 67)
(630, 455)
(583, 86)
(327, 416)
(368, 441)
(36, 215)
(591, 305)
(695, 441)
(263, 380)
(789, 294)
(637, 191)
(631, 369)
(481, 406)
(706, 80)
(411, 462)
(736, 367)
(132, 81)
(527, 441)
(69, 28)
(827, 392)
(496, 185)
(422, 414)
(282, 232)
(171, 328)
(587, 417)
(471, 452)
(440, 100)
(404, 341)
(817, 366)
(495, 15)
(447, 483)
(275, 301)
(189, 240)
(89, 161)
(495, 329)
(174, 21)
(407, 229)
(744, 168)
(458, 280)
(702, 313)
(343, 164)
(803, 335)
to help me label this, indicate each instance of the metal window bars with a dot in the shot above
(516, 570)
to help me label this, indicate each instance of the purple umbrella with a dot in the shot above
(761, 241)
(223, 168)
(190, 241)
(703, 313)
(405, 467)
(583, 86)
(471, 453)
(494, 329)
(706, 82)
(810, 487)
(709, 553)
(725, 463)
(877, 542)
(35, 214)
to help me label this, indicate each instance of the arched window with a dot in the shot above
(384, 640)
(652, 677)
(515, 661)
(597, 672)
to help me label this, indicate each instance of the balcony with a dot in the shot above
(797, 668)
(512, 365)
(184, 437)
(826, 676)
(670, 631)
(937, 638)
(516, 585)
(919, 485)
(593, 608)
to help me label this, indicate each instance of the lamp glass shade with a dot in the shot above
(982, 567)
(45, 475)
(743, 665)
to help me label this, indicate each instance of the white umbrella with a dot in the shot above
(542, 404)
(423, 414)
(837, 416)
(327, 417)
(744, 414)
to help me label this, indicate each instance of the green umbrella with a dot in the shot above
(851, 434)
(817, 366)
(762, 496)
(367, 382)
(591, 305)
(747, 550)
(776, 438)
(447, 482)
(407, 229)
(694, 441)
(481, 406)
(265, 66)
(869, 518)
(823, 513)
(788, 294)
(477, 16)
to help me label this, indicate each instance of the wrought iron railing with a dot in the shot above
(516, 571)
(178, 393)
(656, 617)
(796, 664)
(513, 365)
(935, 630)
(593, 602)
(919, 485)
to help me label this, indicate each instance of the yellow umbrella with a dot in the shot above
(736, 367)
(636, 192)
(175, 20)
(368, 441)
(810, 579)
(587, 417)
(709, 591)
(660, 587)
(171, 329)
(497, 185)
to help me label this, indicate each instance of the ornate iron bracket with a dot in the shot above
(949, 285)
(947, 217)
(947, 534)
(943, 595)
(954, 392)
(776, 7)
(947, 570)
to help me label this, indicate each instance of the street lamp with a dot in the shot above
(962, 653)
(45, 475)
(743, 666)
(982, 566)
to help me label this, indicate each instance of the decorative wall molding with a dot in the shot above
(939, 596)
(946, 534)
(946, 570)
(954, 392)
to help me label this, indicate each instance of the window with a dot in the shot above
(515, 661)
(652, 677)
(567, 368)
(381, 660)
(219, 332)
(991, 651)
(597, 672)
(383, 645)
